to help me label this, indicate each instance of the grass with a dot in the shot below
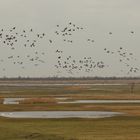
(43, 98)
(1, 100)
(38, 101)
(116, 128)
(117, 91)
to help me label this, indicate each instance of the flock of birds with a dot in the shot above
(124, 58)
(67, 31)
(12, 39)
(86, 64)
(29, 39)
(9, 39)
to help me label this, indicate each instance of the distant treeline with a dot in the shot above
(71, 78)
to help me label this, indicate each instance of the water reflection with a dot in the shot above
(60, 114)
(12, 100)
(98, 101)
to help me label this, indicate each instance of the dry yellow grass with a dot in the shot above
(127, 109)
(105, 97)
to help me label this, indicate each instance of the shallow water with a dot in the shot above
(99, 101)
(12, 100)
(16, 101)
(60, 114)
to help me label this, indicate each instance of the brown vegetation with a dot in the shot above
(1, 100)
(38, 101)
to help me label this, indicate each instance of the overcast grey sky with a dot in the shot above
(97, 17)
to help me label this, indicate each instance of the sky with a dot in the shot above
(97, 18)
